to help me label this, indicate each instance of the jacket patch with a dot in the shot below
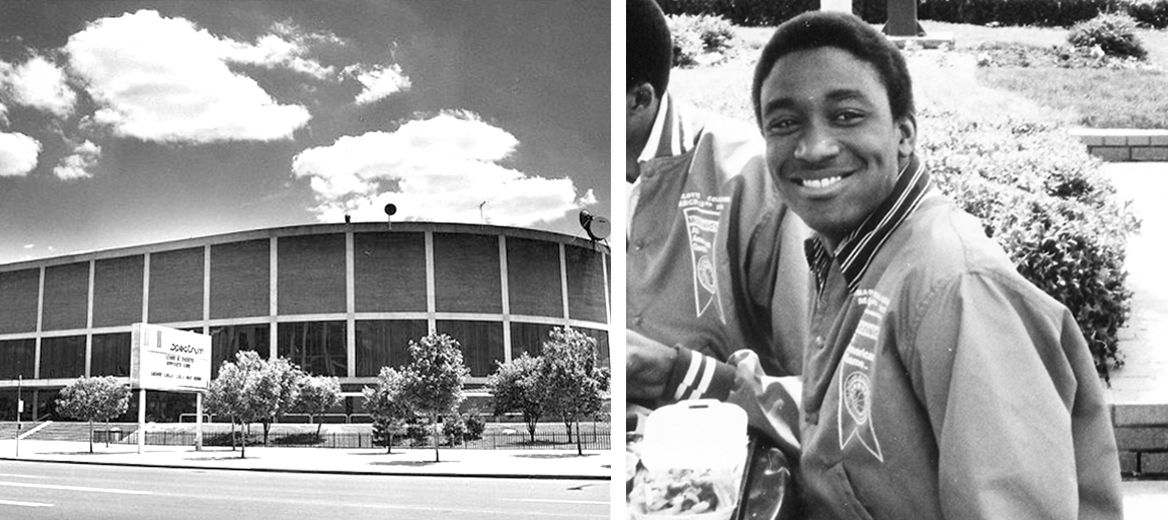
(857, 368)
(702, 216)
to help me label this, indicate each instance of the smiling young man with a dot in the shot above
(938, 382)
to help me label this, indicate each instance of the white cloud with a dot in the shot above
(164, 79)
(380, 82)
(38, 83)
(18, 154)
(29, 246)
(77, 164)
(437, 169)
(3, 111)
(286, 46)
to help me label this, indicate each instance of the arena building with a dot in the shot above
(336, 299)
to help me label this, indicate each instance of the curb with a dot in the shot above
(324, 472)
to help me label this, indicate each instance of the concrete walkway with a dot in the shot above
(544, 464)
(1144, 377)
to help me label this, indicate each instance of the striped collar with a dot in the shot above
(671, 134)
(855, 252)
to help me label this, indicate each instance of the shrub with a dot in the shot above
(1114, 33)
(1153, 13)
(417, 432)
(694, 35)
(475, 424)
(1048, 13)
(453, 429)
(742, 12)
(1040, 195)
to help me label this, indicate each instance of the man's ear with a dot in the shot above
(907, 142)
(640, 97)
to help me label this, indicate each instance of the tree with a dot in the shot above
(253, 390)
(433, 379)
(94, 399)
(515, 386)
(316, 395)
(280, 384)
(385, 402)
(573, 383)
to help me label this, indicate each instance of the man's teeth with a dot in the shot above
(821, 183)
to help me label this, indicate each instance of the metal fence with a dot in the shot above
(589, 440)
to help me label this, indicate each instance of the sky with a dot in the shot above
(131, 122)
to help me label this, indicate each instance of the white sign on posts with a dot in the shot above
(162, 358)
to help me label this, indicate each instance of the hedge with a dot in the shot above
(742, 12)
(1044, 199)
(1048, 13)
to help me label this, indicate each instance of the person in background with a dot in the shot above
(715, 270)
(938, 382)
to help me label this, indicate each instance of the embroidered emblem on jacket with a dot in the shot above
(702, 216)
(857, 368)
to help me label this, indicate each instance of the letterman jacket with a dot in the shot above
(715, 264)
(941, 384)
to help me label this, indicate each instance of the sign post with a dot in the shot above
(19, 410)
(163, 358)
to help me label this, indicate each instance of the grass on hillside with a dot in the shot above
(1100, 98)
(948, 81)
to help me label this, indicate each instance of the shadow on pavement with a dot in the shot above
(555, 455)
(226, 457)
(408, 463)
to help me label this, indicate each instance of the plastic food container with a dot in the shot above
(692, 455)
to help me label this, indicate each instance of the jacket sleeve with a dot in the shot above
(1015, 405)
(770, 402)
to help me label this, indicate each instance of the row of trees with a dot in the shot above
(565, 380)
(252, 389)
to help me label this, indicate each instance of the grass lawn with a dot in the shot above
(949, 81)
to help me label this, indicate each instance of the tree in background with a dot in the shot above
(572, 381)
(316, 394)
(433, 379)
(386, 403)
(252, 389)
(94, 399)
(279, 385)
(515, 387)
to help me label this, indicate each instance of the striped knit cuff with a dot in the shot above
(697, 376)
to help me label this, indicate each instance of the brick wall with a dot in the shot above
(1119, 145)
(1141, 433)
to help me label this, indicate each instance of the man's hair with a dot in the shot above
(847, 32)
(648, 45)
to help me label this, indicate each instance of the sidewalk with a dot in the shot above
(1143, 380)
(1144, 377)
(540, 464)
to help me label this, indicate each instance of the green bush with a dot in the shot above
(1045, 13)
(749, 13)
(696, 34)
(1153, 13)
(1043, 198)
(1048, 13)
(464, 427)
(1114, 33)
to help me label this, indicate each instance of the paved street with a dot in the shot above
(30, 490)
